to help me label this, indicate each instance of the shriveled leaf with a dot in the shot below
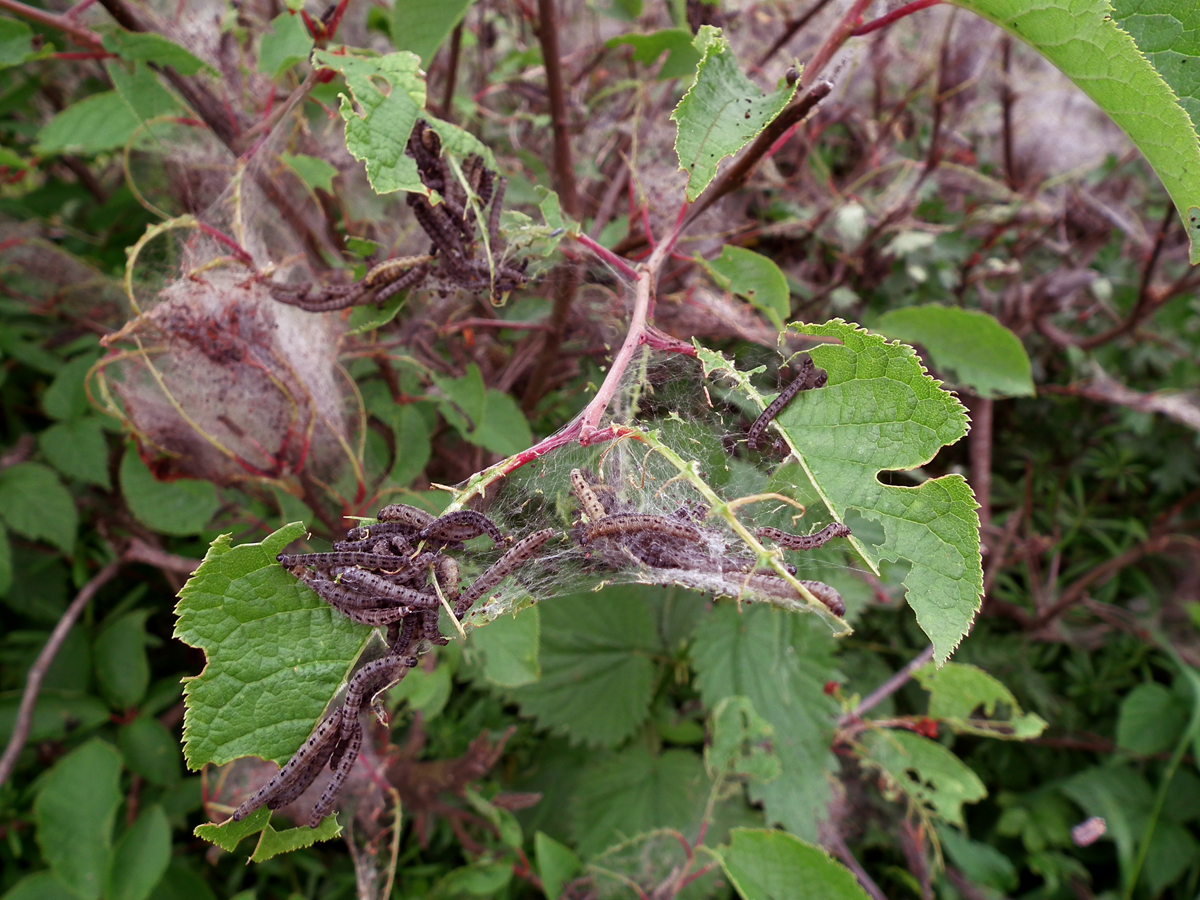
(880, 411)
(741, 742)
(597, 672)
(78, 449)
(721, 113)
(141, 857)
(636, 791)
(968, 347)
(506, 649)
(271, 843)
(556, 864)
(34, 503)
(75, 810)
(935, 781)
(971, 701)
(276, 653)
(682, 55)
(387, 94)
(780, 661)
(755, 277)
(420, 26)
(287, 43)
(1085, 41)
(180, 507)
(770, 865)
(149, 47)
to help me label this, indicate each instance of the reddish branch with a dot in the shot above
(68, 26)
(884, 21)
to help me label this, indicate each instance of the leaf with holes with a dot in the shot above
(722, 111)
(936, 782)
(971, 701)
(880, 411)
(276, 653)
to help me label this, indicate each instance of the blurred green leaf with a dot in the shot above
(596, 654)
(6, 561)
(755, 277)
(421, 26)
(956, 691)
(149, 47)
(141, 857)
(56, 715)
(122, 669)
(682, 55)
(1151, 719)
(502, 820)
(557, 864)
(75, 809)
(16, 42)
(287, 43)
(65, 398)
(769, 865)
(507, 649)
(34, 503)
(150, 750)
(483, 416)
(981, 863)
(78, 449)
(740, 742)
(180, 507)
(936, 782)
(969, 348)
(312, 170)
(40, 886)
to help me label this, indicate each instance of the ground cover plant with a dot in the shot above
(505, 450)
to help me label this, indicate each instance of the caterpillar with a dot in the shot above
(382, 589)
(343, 558)
(809, 377)
(804, 541)
(349, 753)
(405, 515)
(777, 587)
(461, 526)
(592, 507)
(367, 532)
(634, 523)
(499, 570)
(323, 734)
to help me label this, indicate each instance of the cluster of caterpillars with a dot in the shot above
(449, 220)
(394, 574)
(616, 536)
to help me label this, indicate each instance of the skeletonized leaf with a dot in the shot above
(276, 653)
(722, 111)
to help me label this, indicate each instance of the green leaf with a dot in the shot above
(149, 47)
(287, 43)
(969, 347)
(722, 111)
(312, 170)
(1167, 32)
(16, 42)
(772, 865)
(1151, 719)
(596, 654)
(682, 55)
(6, 561)
(122, 669)
(780, 661)
(78, 449)
(507, 649)
(935, 781)
(741, 742)
(56, 715)
(368, 318)
(35, 504)
(502, 820)
(75, 810)
(141, 91)
(420, 26)
(378, 134)
(983, 864)
(880, 411)
(753, 276)
(635, 791)
(485, 417)
(66, 398)
(557, 864)
(141, 857)
(180, 507)
(271, 843)
(276, 653)
(482, 878)
(40, 886)
(150, 751)
(957, 691)
(1082, 39)
(413, 442)
(95, 124)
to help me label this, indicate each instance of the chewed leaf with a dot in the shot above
(387, 94)
(971, 701)
(936, 782)
(880, 412)
(276, 653)
(1086, 41)
(721, 113)
(227, 835)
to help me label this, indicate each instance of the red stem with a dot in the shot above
(75, 31)
(607, 255)
(238, 251)
(884, 21)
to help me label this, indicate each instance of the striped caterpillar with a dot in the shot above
(325, 733)
(461, 526)
(810, 377)
(591, 505)
(502, 568)
(803, 541)
(636, 523)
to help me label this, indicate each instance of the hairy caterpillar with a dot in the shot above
(504, 566)
(635, 523)
(592, 507)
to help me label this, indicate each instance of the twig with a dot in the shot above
(790, 30)
(1006, 107)
(564, 171)
(980, 450)
(884, 21)
(139, 551)
(18, 452)
(831, 837)
(888, 688)
(837, 36)
(452, 72)
(37, 672)
(68, 26)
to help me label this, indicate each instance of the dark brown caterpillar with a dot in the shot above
(385, 592)
(635, 523)
(349, 753)
(405, 515)
(803, 541)
(776, 587)
(461, 526)
(343, 558)
(367, 532)
(325, 733)
(499, 570)
(810, 377)
(590, 503)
